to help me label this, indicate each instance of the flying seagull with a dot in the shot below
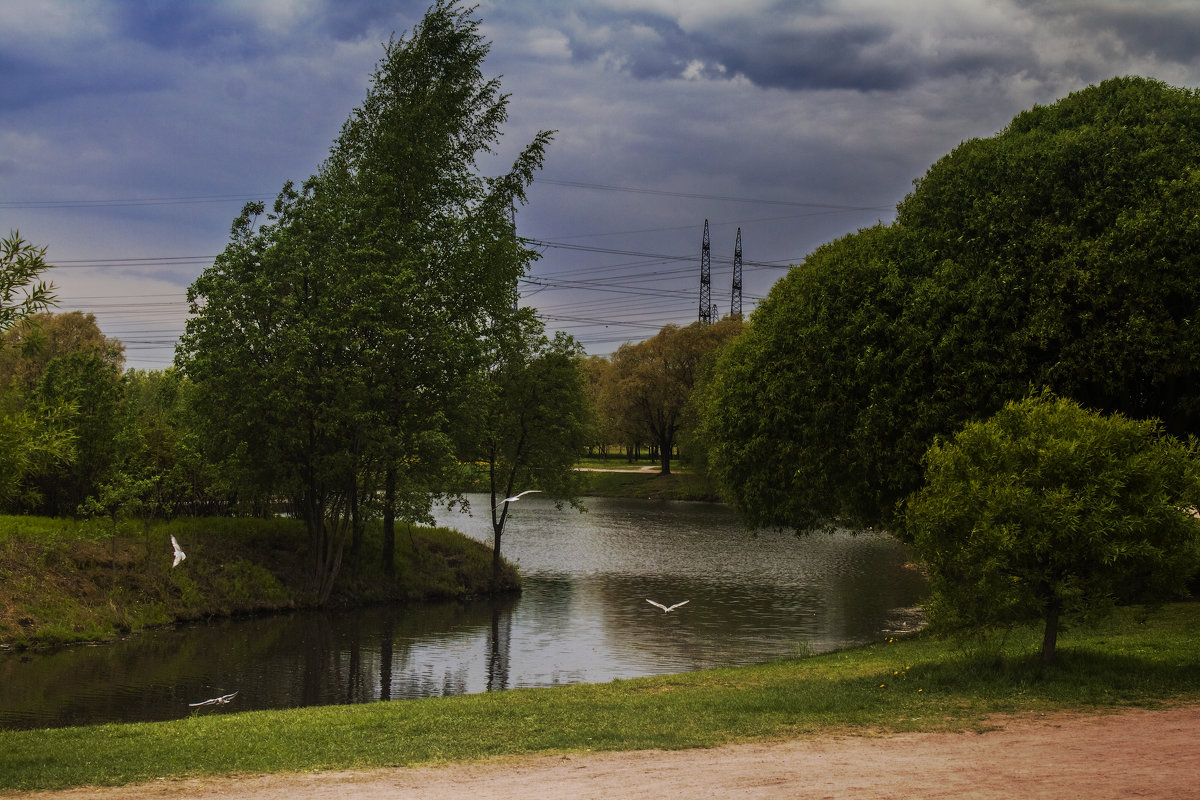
(179, 554)
(517, 497)
(665, 608)
(215, 701)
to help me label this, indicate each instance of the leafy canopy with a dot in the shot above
(1047, 508)
(332, 343)
(1059, 253)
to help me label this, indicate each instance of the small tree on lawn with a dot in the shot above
(1047, 509)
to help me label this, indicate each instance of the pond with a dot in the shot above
(582, 617)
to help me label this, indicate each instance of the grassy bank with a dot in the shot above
(64, 580)
(681, 484)
(615, 477)
(918, 683)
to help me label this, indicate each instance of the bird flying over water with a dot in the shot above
(179, 554)
(215, 701)
(517, 497)
(665, 608)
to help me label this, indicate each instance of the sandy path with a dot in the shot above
(1097, 756)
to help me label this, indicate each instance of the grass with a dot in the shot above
(64, 580)
(924, 682)
(681, 484)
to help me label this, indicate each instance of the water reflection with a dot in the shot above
(582, 618)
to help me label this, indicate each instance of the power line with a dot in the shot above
(697, 196)
(134, 201)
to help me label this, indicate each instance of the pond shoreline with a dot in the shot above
(68, 581)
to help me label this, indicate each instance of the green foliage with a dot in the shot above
(64, 580)
(1058, 253)
(1046, 509)
(333, 343)
(535, 420)
(30, 439)
(20, 265)
(650, 383)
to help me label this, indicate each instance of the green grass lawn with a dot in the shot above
(924, 682)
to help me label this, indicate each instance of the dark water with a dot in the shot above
(581, 618)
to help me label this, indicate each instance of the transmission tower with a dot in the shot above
(706, 313)
(735, 305)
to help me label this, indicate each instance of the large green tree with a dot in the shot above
(1058, 253)
(331, 341)
(1045, 509)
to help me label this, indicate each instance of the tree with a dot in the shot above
(329, 342)
(29, 348)
(536, 425)
(1047, 509)
(603, 431)
(1058, 253)
(91, 388)
(66, 370)
(654, 379)
(20, 265)
(37, 438)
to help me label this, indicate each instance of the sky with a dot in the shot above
(133, 131)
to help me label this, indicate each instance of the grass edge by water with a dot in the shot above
(920, 683)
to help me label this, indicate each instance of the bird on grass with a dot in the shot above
(517, 497)
(666, 609)
(215, 701)
(179, 554)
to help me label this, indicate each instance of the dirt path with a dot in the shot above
(1096, 756)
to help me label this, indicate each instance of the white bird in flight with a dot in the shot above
(179, 554)
(215, 701)
(517, 497)
(665, 608)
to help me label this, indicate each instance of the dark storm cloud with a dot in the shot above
(204, 29)
(219, 31)
(45, 79)
(857, 56)
(795, 47)
(1164, 34)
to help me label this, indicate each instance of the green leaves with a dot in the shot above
(334, 344)
(1059, 253)
(20, 265)
(1046, 508)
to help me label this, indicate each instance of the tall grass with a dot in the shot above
(924, 682)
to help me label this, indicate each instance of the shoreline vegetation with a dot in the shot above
(65, 581)
(923, 682)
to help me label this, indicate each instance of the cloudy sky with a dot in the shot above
(132, 132)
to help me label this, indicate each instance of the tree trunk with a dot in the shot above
(664, 450)
(389, 523)
(1050, 637)
(356, 525)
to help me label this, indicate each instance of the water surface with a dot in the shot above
(582, 617)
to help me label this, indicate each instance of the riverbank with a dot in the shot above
(923, 684)
(64, 581)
